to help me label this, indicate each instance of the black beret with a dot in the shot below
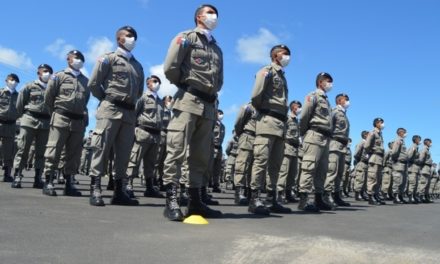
(220, 111)
(200, 8)
(46, 66)
(129, 29)
(377, 120)
(342, 94)
(13, 76)
(77, 54)
(295, 102)
(279, 47)
(155, 77)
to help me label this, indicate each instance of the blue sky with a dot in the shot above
(384, 54)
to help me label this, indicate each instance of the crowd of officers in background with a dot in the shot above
(297, 152)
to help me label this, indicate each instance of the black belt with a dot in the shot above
(403, 161)
(7, 122)
(322, 131)
(150, 130)
(69, 114)
(292, 143)
(38, 115)
(277, 115)
(218, 147)
(120, 103)
(250, 133)
(165, 130)
(378, 154)
(233, 155)
(209, 98)
(343, 141)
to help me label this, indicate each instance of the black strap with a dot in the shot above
(7, 122)
(251, 133)
(343, 141)
(322, 131)
(38, 115)
(150, 130)
(379, 154)
(274, 114)
(209, 98)
(120, 103)
(69, 114)
(218, 147)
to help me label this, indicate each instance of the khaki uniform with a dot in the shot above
(347, 165)
(315, 127)
(399, 157)
(8, 117)
(361, 167)
(34, 124)
(374, 147)
(434, 181)
(86, 155)
(289, 166)
(219, 135)
(66, 97)
(231, 151)
(161, 153)
(195, 65)
(387, 179)
(117, 82)
(245, 129)
(149, 112)
(425, 171)
(413, 169)
(338, 149)
(269, 98)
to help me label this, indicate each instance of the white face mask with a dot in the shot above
(404, 135)
(129, 43)
(298, 111)
(155, 87)
(45, 77)
(347, 104)
(220, 117)
(328, 86)
(77, 64)
(348, 145)
(285, 59)
(11, 85)
(210, 21)
(168, 105)
(382, 126)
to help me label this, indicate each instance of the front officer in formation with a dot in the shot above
(399, 157)
(34, 125)
(337, 151)
(361, 166)
(387, 179)
(425, 171)
(413, 169)
(316, 129)
(149, 113)
(8, 119)
(67, 95)
(269, 98)
(194, 64)
(117, 82)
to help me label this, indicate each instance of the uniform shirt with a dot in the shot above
(219, 134)
(194, 61)
(387, 161)
(149, 111)
(8, 112)
(360, 154)
(316, 113)
(341, 130)
(399, 155)
(119, 76)
(232, 147)
(31, 100)
(87, 143)
(425, 161)
(270, 93)
(374, 147)
(413, 159)
(245, 127)
(348, 156)
(292, 137)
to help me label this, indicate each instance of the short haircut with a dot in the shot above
(415, 137)
(200, 8)
(323, 76)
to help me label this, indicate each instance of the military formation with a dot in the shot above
(294, 152)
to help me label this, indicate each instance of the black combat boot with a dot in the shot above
(16, 183)
(417, 198)
(69, 187)
(322, 204)
(183, 197)
(38, 182)
(197, 207)
(256, 205)
(111, 182)
(150, 190)
(129, 188)
(357, 196)
(372, 201)
(428, 198)
(402, 199)
(206, 199)
(49, 188)
(275, 206)
(411, 198)
(60, 177)
(396, 199)
(239, 198)
(120, 197)
(290, 198)
(95, 192)
(338, 200)
(378, 200)
(364, 196)
(7, 174)
(280, 198)
(172, 209)
(304, 204)
(346, 193)
(216, 189)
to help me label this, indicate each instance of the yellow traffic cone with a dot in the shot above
(195, 220)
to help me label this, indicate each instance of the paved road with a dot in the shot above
(39, 229)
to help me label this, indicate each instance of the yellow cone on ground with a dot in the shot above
(195, 220)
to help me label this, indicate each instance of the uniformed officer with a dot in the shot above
(413, 169)
(399, 158)
(387, 179)
(194, 64)
(149, 113)
(31, 157)
(66, 97)
(289, 166)
(337, 150)
(117, 82)
(375, 149)
(244, 127)
(425, 171)
(231, 151)
(8, 118)
(361, 167)
(34, 125)
(219, 136)
(161, 153)
(346, 186)
(434, 181)
(269, 98)
(86, 155)
(316, 129)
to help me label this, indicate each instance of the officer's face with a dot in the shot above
(294, 108)
(342, 100)
(202, 14)
(323, 83)
(121, 37)
(151, 82)
(42, 70)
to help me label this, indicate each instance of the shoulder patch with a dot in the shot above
(54, 77)
(311, 98)
(103, 60)
(182, 41)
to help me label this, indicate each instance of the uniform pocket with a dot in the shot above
(134, 155)
(97, 140)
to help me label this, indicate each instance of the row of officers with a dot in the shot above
(129, 125)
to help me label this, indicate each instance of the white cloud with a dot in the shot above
(166, 88)
(231, 110)
(59, 48)
(255, 48)
(15, 59)
(98, 47)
